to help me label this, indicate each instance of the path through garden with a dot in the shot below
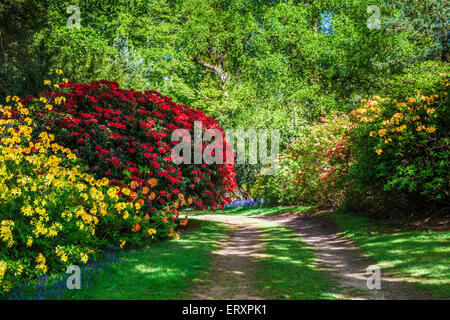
(232, 266)
(337, 257)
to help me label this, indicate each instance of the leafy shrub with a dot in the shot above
(403, 146)
(314, 167)
(52, 214)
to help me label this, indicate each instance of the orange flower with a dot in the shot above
(152, 196)
(165, 220)
(134, 196)
(170, 233)
(190, 200)
(134, 185)
(141, 202)
(146, 217)
(181, 198)
(136, 227)
(145, 190)
(184, 221)
(176, 236)
(153, 182)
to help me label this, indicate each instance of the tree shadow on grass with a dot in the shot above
(288, 269)
(420, 256)
(166, 270)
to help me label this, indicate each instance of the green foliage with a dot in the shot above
(248, 64)
(427, 25)
(313, 169)
(403, 146)
(275, 64)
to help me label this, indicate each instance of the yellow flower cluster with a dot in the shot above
(40, 263)
(54, 196)
(3, 268)
(411, 114)
(61, 254)
(6, 227)
(151, 232)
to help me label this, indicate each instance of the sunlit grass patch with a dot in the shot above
(252, 211)
(166, 270)
(288, 269)
(422, 257)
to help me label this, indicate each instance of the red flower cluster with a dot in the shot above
(126, 136)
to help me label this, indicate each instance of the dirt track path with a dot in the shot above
(233, 265)
(337, 257)
(345, 261)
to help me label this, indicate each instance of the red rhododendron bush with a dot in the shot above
(125, 136)
(90, 167)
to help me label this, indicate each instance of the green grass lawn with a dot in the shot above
(420, 256)
(250, 211)
(288, 270)
(166, 270)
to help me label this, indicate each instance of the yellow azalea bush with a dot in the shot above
(403, 146)
(53, 214)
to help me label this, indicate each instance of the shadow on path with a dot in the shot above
(232, 266)
(344, 260)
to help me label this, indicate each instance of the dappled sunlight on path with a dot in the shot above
(336, 257)
(342, 258)
(232, 267)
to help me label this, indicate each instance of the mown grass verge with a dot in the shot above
(250, 211)
(165, 270)
(422, 257)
